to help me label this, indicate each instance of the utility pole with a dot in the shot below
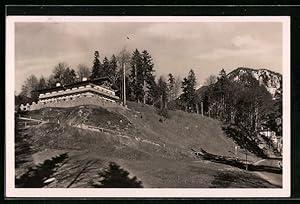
(202, 108)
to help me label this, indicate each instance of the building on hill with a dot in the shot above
(96, 92)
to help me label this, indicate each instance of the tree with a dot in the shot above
(116, 177)
(58, 72)
(123, 61)
(113, 67)
(152, 91)
(51, 81)
(162, 95)
(105, 68)
(221, 94)
(69, 76)
(96, 69)
(173, 87)
(177, 86)
(29, 88)
(42, 83)
(212, 79)
(147, 74)
(188, 98)
(83, 71)
(136, 77)
(61, 73)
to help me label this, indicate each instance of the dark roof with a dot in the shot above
(68, 86)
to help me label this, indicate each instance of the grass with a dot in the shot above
(172, 164)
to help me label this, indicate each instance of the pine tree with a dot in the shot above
(105, 68)
(220, 90)
(147, 74)
(96, 69)
(136, 77)
(188, 98)
(113, 67)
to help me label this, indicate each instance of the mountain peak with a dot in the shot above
(270, 79)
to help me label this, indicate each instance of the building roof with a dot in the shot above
(69, 86)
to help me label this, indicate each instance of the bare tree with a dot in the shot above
(210, 80)
(177, 86)
(123, 59)
(58, 71)
(83, 71)
(29, 87)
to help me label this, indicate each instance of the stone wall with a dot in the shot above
(75, 102)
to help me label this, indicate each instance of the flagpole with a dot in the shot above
(124, 79)
(124, 85)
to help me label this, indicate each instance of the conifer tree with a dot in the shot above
(105, 69)
(113, 66)
(136, 77)
(189, 97)
(96, 69)
(147, 74)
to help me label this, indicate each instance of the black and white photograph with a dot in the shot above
(147, 106)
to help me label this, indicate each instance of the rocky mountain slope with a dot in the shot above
(271, 80)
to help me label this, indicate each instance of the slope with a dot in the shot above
(178, 134)
(156, 150)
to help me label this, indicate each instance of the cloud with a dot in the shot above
(246, 41)
(243, 46)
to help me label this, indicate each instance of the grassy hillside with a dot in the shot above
(176, 135)
(156, 150)
(181, 130)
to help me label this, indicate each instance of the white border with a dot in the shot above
(11, 191)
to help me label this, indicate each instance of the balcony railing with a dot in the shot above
(87, 88)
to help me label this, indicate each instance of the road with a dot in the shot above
(275, 179)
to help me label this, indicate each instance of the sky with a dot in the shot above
(205, 47)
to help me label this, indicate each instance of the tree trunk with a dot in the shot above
(197, 108)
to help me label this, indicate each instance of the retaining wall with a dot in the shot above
(75, 102)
